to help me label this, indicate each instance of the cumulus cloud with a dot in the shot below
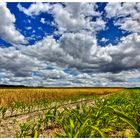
(69, 16)
(127, 15)
(110, 64)
(125, 55)
(16, 63)
(77, 16)
(78, 45)
(48, 61)
(80, 51)
(8, 31)
(35, 8)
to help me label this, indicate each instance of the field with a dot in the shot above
(69, 112)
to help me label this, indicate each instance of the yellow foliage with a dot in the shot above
(29, 95)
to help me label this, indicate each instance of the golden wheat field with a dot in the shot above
(29, 95)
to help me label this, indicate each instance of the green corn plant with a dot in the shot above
(99, 131)
(45, 103)
(40, 122)
(34, 131)
(78, 127)
(64, 123)
(29, 108)
(76, 120)
(36, 128)
(24, 130)
(127, 120)
(36, 134)
(50, 117)
(17, 106)
(33, 128)
(22, 107)
(81, 131)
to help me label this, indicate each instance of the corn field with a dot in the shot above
(77, 116)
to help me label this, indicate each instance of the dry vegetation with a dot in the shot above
(29, 95)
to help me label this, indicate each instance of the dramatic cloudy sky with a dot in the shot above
(70, 44)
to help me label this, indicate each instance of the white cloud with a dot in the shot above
(8, 31)
(78, 45)
(125, 55)
(104, 39)
(129, 24)
(44, 62)
(71, 17)
(95, 69)
(42, 20)
(127, 15)
(76, 17)
(80, 51)
(35, 8)
(18, 64)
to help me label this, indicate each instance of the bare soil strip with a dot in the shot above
(43, 109)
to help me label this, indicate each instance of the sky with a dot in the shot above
(70, 44)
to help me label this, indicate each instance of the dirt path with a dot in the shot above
(9, 126)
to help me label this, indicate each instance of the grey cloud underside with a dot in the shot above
(81, 52)
(44, 63)
(96, 65)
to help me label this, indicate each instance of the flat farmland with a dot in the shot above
(69, 112)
